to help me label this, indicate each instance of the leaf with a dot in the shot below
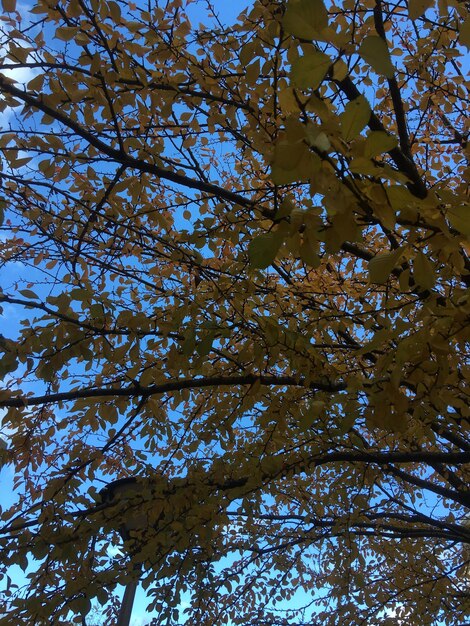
(246, 53)
(378, 142)
(317, 138)
(305, 18)
(423, 272)
(416, 8)
(309, 249)
(374, 51)
(36, 84)
(464, 32)
(9, 6)
(308, 71)
(263, 249)
(340, 70)
(115, 11)
(65, 33)
(459, 217)
(354, 118)
(27, 293)
(381, 266)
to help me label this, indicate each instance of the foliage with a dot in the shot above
(238, 250)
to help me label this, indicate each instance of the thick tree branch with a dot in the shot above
(176, 385)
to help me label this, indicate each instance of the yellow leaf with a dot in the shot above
(374, 51)
(381, 266)
(65, 33)
(340, 70)
(308, 71)
(287, 100)
(354, 118)
(423, 272)
(305, 18)
(416, 8)
(378, 142)
(287, 155)
(361, 165)
(36, 83)
(317, 138)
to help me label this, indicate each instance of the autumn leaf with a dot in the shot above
(263, 249)
(374, 51)
(464, 32)
(417, 8)
(305, 18)
(9, 6)
(459, 218)
(378, 142)
(309, 71)
(354, 118)
(423, 271)
(381, 266)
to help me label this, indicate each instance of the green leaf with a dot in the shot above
(308, 71)
(354, 118)
(378, 142)
(381, 266)
(374, 51)
(423, 271)
(305, 18)
(416, 8)
(263, 249)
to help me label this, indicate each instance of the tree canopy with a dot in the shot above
(235, 272)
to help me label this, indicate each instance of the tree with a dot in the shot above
(238, 249)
